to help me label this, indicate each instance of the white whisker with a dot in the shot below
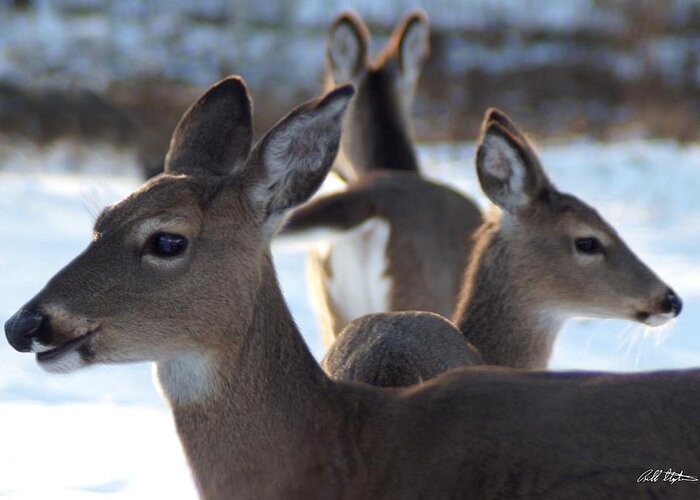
(635, 337)
(92, 203)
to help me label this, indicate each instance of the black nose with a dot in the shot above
(21, 329)
(672, 303)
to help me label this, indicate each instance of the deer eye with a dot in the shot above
(588, 245)
(167, 245)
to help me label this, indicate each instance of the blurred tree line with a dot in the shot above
(122, 71)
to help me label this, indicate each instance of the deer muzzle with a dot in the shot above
(23, 328)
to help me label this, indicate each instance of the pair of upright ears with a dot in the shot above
(347, 50)
(215, 135)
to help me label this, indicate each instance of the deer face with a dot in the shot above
(571, 259)
(178, 261)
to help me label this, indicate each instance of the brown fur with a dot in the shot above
(526, 277)
(524, 280)
(266, 422)
(377, 131)
(430, 224)
(401, 359)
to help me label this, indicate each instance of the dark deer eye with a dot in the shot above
(167, 245)
(588, 245)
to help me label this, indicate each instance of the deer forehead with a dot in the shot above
(582, 221)
(171, 200)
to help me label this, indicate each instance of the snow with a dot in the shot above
(104, 432)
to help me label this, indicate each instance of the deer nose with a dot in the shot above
(22, 328)
(672, 303)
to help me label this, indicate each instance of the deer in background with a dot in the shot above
(398, 241)
(181, 273)
(543, 258)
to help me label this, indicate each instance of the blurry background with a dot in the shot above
(90, 91)
(122, 71)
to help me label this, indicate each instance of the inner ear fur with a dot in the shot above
(345, 70)
(396, 46)
(293, 158)
(495, 115)
(525, 182)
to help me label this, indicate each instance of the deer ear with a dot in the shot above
(508, 170)
(295, 155)
(496, 115)
(215, 134)
(412, 39)
(346, 50)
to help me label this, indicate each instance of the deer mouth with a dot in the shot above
(70, 346)
(654, 319)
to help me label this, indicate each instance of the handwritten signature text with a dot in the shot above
(656, 475)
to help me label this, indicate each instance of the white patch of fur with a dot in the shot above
(168, 223)
(659, 319)
(65, 363)
(501, 162)
(359, 284)
(65, 321)
(344, 49)
(39, 347)
(586, 259)
(186, 379)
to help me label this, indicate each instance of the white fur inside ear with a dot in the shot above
(414, 48)
(502, 162)
(296, 157)
(299, 147)
(412, 52)
(345, 49)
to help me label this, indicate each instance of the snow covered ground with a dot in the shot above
(105, 433)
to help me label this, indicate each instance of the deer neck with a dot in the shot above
(379, 135)
(250, 413)
(497, 312)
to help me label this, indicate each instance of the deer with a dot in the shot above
(392, 240)
(540, 258)
(180, 273)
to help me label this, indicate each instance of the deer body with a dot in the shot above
(284, 430)
(404, 256)
(400, 242)
(180, 273)
(544, 258)
(349, 277)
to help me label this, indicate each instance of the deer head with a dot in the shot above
(567, 257)
(177, 263)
